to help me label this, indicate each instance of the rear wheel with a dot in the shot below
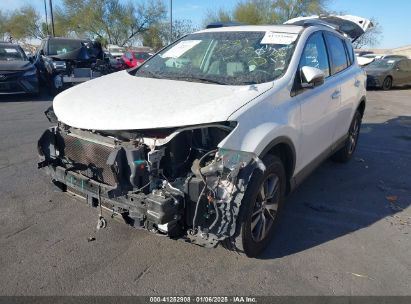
(387, 83)
(345, 153)
(260, 209)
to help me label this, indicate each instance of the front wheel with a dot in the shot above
(345, 153)
(387, 84)
(260, 209)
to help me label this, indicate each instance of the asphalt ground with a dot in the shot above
(345, 231)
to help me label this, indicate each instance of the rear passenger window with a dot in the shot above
(315, 54)
(350, 51)
(403, 66)
(337, 53)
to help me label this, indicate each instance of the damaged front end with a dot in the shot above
(77, 65)
(173, 181)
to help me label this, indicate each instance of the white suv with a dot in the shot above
(205, 139)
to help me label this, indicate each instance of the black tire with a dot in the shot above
(387, 83)
(51, 89)
(245, 241)
(346, 152)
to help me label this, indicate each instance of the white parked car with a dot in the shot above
(208, 150)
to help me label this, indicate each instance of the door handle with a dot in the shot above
(357, 83)
(336, 95)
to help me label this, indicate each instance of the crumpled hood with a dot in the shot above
(15, 65)
(121, 101)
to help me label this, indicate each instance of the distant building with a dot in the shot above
(405, 50)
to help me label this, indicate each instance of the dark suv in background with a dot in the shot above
(17, 73)
(64, 62)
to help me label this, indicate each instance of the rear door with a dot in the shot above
(401, 72)
(348, 76)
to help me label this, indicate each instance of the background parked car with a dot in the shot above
(132, 59)
(386, 73)
(364, 61)
(116, 64)
(115, 50)
(17, 72)
(383, 56)
(64, 62)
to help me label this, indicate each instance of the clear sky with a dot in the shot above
(394, 16)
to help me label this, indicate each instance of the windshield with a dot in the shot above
(141, 56)
(231, 58)
(382, 64)
(62, 46)
(11, 53)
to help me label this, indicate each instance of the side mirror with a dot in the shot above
(311, 77)
(31, 59)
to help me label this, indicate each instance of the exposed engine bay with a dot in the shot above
(173, 181)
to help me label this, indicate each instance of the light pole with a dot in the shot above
(52, 17)
(171, 21)
(47, 21)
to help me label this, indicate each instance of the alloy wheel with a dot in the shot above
(353, 136)
(265, 208)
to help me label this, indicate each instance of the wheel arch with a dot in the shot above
(284, 148)
(361, 106)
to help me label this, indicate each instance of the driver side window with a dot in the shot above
(315, 54)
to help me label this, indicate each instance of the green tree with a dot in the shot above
(116, 21)
(158, 35)
(269, 11)
(152, 37)
(288, 9)
(219, 15)
(3, 25)
(25, 23)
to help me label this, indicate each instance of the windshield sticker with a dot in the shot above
(391, 61)
(10, 50)
(278, 38)
(180, 48)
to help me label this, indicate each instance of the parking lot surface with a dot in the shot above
(345, 231)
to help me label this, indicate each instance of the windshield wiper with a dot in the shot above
(193, 79)
(248, 82)
(210, 81)
(149, 74)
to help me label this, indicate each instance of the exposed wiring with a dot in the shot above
(198, 202)
(199, 169)
(139, 189)
(216, 210)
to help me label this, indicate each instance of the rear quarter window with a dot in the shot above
(350, 51)
(338, 55)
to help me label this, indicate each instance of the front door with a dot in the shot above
(318, 105)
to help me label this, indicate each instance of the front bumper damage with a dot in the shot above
(79, 75)
(201, 206)
(19, 85)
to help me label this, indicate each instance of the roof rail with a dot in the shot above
(223, 24)
(315, 22)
